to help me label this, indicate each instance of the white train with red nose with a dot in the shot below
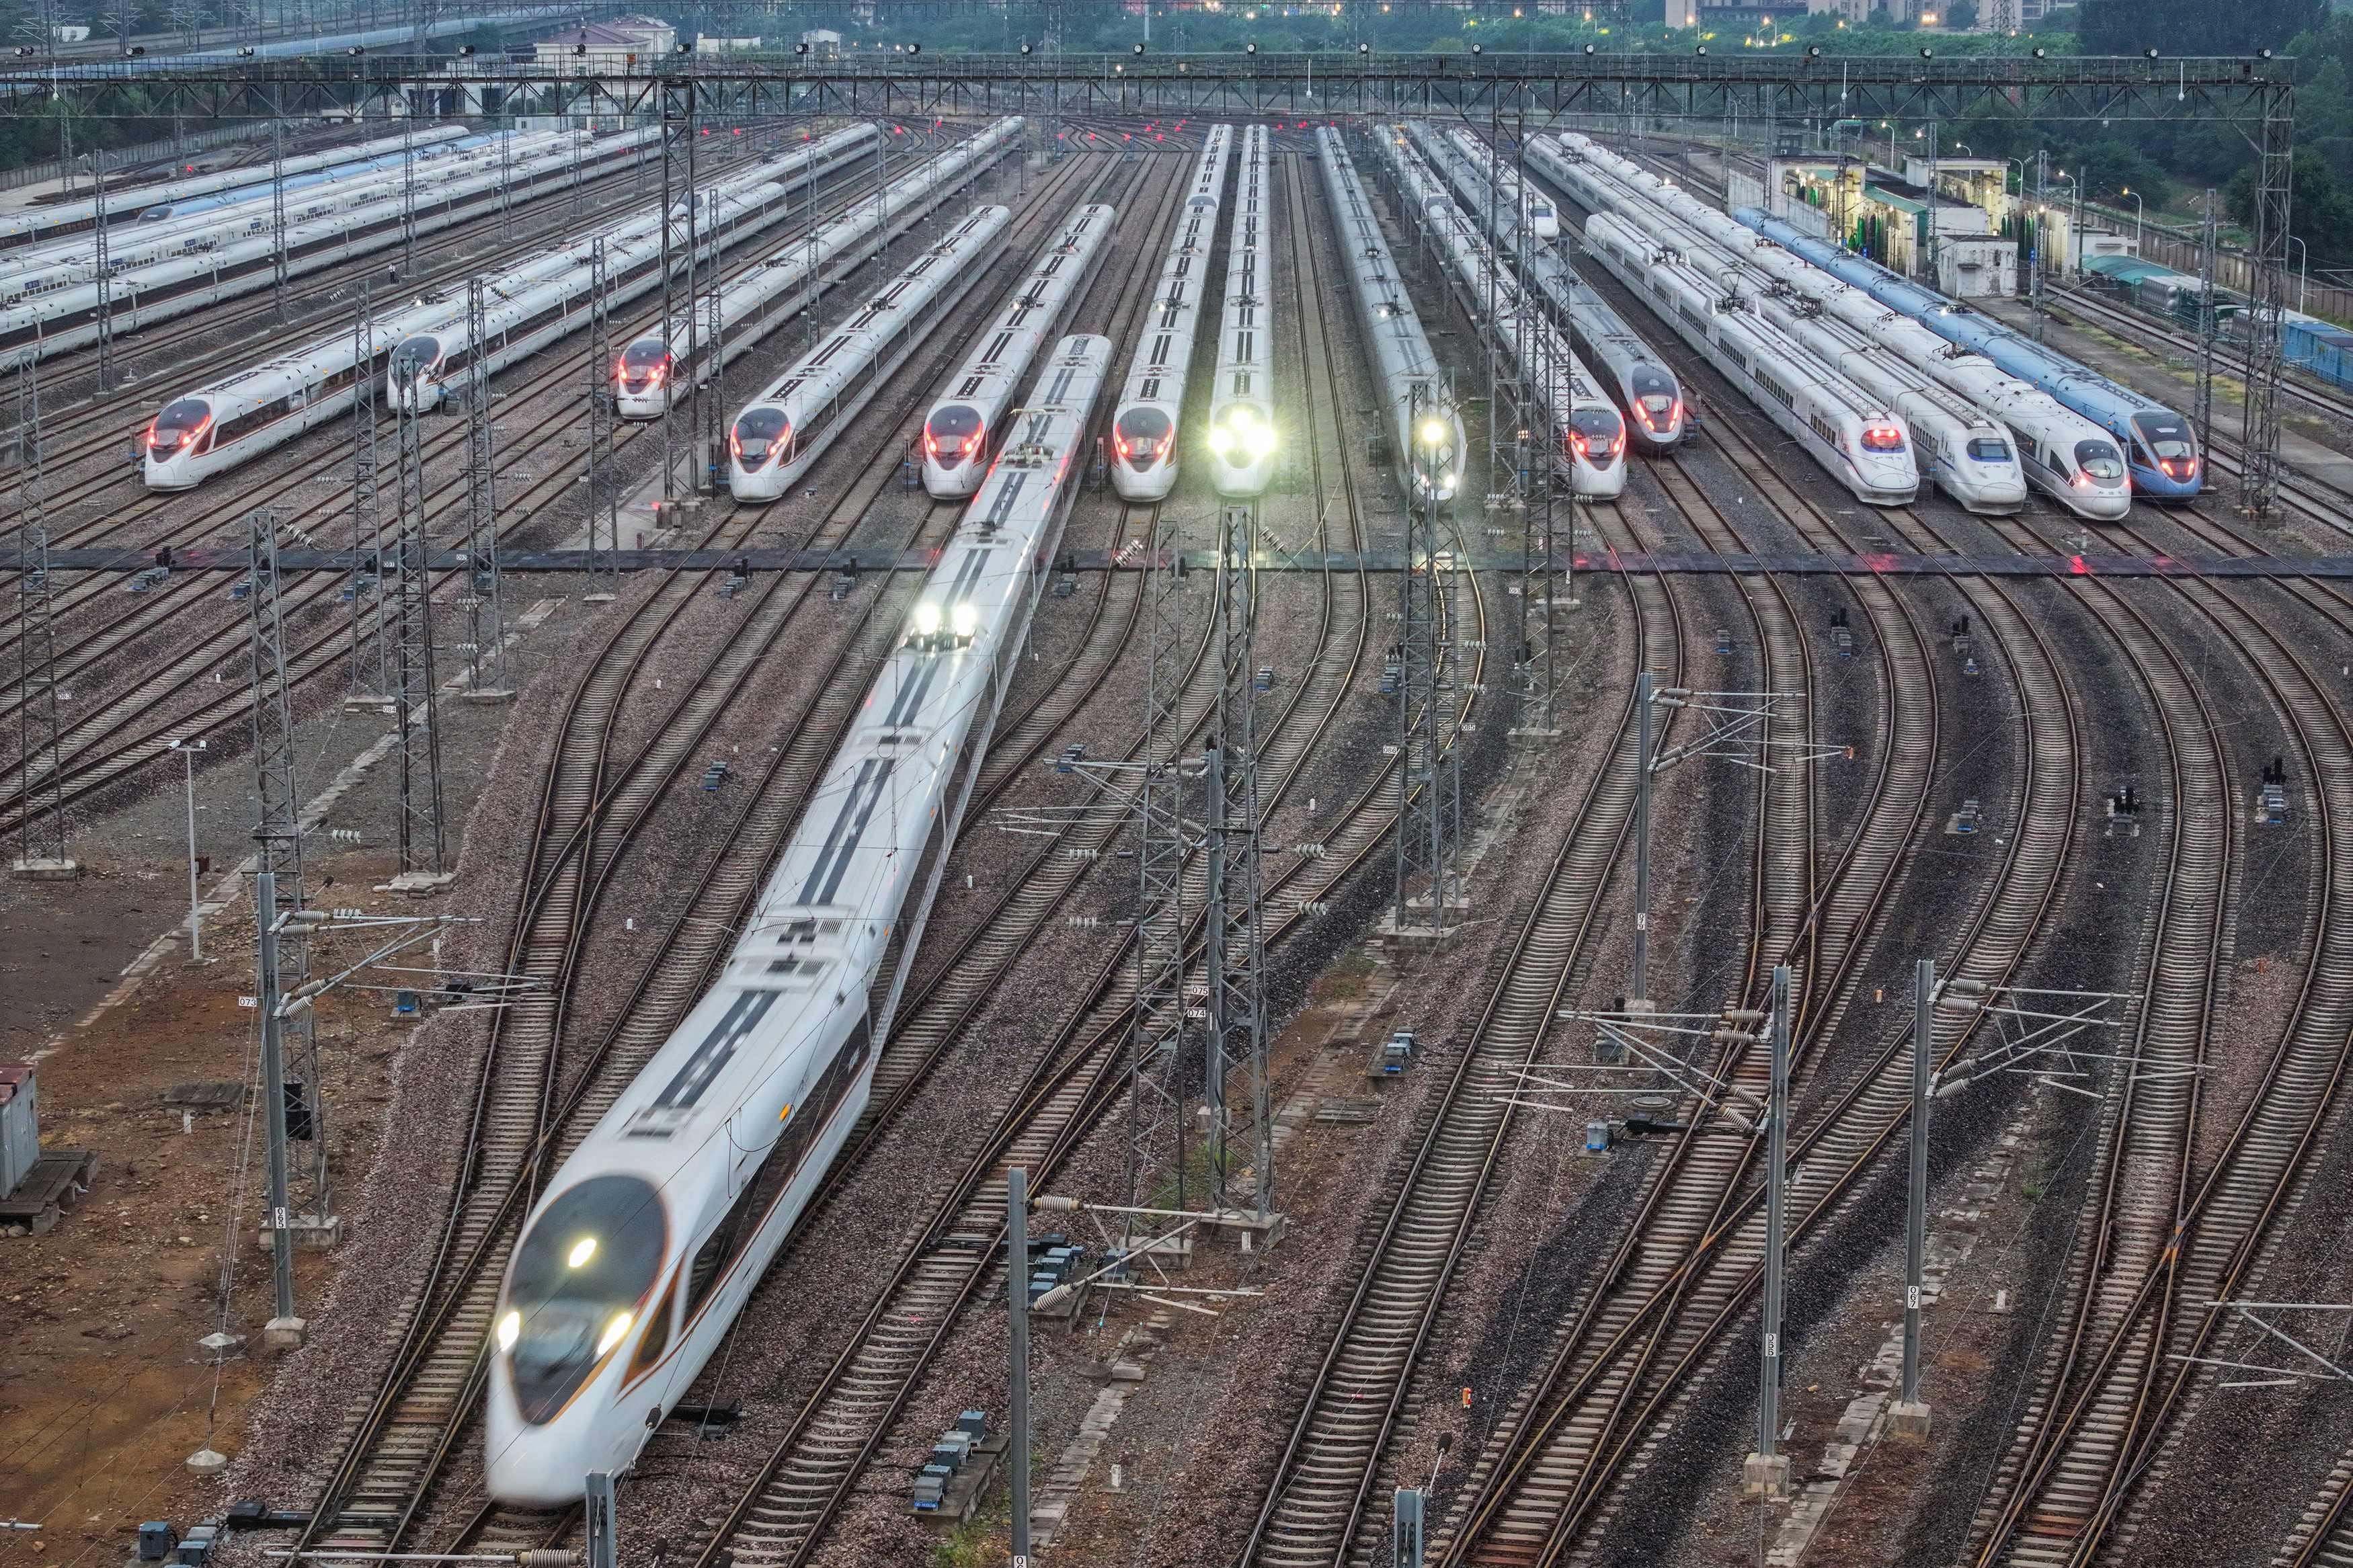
(1147, 426)
(967, 424)
(775, 439)
(634, 1263)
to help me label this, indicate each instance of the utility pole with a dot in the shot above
(2202, 411)
(408, 188)
(603, 495)
(415, 722)
(278, 209)
(486, 659)
(1911, 1412)
(1157, 1096)
(1235, 942)
(600, 1522)
(1767, 1470)
(2259, 431)
(188, 750)
(284, 1329)
(370, 680)
(678, 162)
(1424, 845)
(105, 276)
(41, 809)
(1017, 1381)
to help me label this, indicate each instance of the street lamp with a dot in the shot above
(2304, 271)
(188, 750)
(2140, 211)
(2074, 224)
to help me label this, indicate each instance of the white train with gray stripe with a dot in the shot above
(648, 1240)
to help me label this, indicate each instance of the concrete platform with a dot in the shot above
(39, 868)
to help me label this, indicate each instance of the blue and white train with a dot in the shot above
(967, 424)
(1585, 436)
(1644, 386)
(1144, 425)
(1425, 430)
(2158, 447)
(1242, 436)
(651, 1236)
(776, 437)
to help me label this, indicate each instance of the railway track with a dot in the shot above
(95, 754)
(784, 1515)
(400, 1446)
(2100, 1425)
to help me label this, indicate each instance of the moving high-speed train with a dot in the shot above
(1644, 386)
(966, 424)
(231, 421)
(1243, 437)
(653, 368)
(549, 296)
(774, 437)
(648, 1239)
(1144, 426)
(2157, 444)
(1586, 437)
(51, 322)
(1417, 406)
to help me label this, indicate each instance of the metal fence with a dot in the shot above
(122, 157)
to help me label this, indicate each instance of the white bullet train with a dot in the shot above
(29, 225)
(50, 323)
(775, 439)
(1585, 444)
(1425, 431)
(1244, 437)
(1512, 195)
(1984, 420)
(1644, 386)
(370, 193)
(1144, 456)
(232, 421)
(635, 1261)
(966, 421)
(548, 296)
(653, 369)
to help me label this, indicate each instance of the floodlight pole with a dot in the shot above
(1911, 1415)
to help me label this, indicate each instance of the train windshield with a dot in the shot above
(181, 424)
(1595, 432)
(580, 1281)
(1143, 435)
(1989, 449)
(644, 364)
(413, 358)
(953, 434)
(759, 434)
(1654, 395)
(2167, 434)
(2101, 460)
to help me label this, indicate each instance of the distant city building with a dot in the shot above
(605, 46)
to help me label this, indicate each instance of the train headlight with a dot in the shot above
(613, 1331)
(582, 1251)
(1222, 439)
(1261, 440)
(1433, 431)
(928, 619)
(510, 1329)
(965, 620)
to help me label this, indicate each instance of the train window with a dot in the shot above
(644, 364)
(179, 424)
(953, 434)
(757, 435)
(656, 1339)
(1143, 435)
(413, 357)
(580, 1278)
(1989, 449)
(2100, 459)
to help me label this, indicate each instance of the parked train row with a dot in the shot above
(1584, 440)
(1645, 386)
(1976, 433)
(2158, 447)
(1424, 429)
(968, 425)
(67, 317)
(417, 347)
(653, 368)
(651, 1235)
(29, 225)
(773, 441)
(1145, 450)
